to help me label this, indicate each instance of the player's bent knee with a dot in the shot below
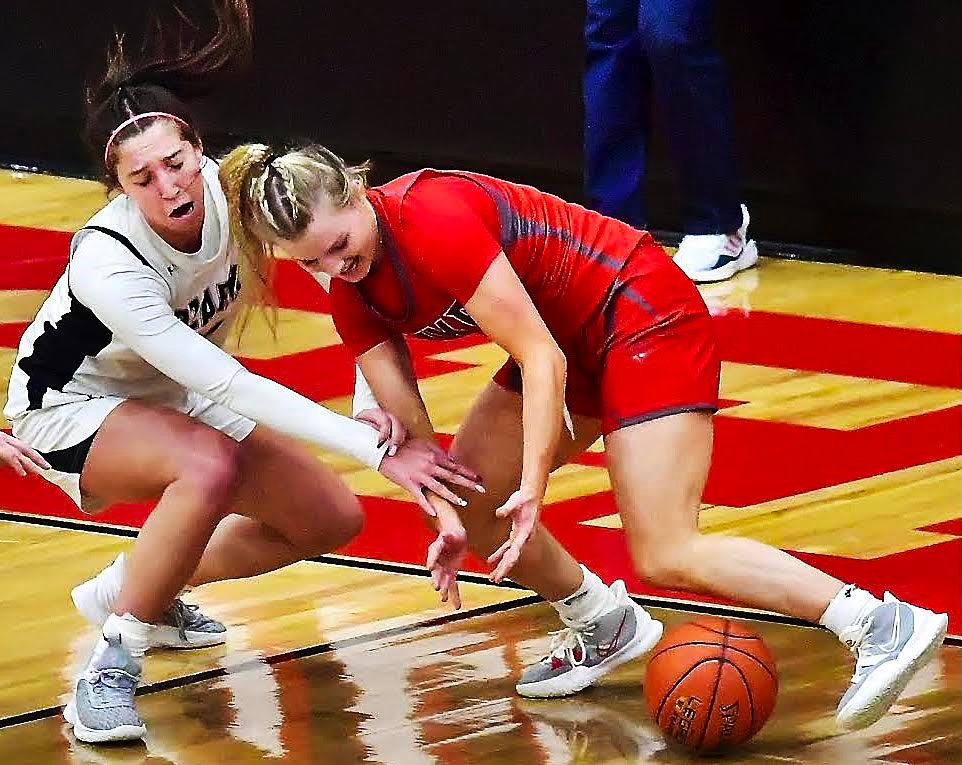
(334, 523)
(212, 474)
(350, 518)
(666, 566)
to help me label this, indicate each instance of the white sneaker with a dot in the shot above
(716, 257)
(181, 626)
(892, 642)
(581, 656)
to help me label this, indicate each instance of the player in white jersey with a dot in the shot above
(120, 385)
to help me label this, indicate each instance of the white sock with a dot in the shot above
(848, 608)
(134, 634)
(586, 604)
(111, 579)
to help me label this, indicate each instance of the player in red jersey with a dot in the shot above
(606, 337)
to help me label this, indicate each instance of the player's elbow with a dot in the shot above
(545, 357)
(230, 388)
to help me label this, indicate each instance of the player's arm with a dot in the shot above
(364, 406)
(389, 369)
(444, 223)
(133, 304)
(503, 309)
(446, 226)
(390, 374)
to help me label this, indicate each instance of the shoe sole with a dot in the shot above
(580, 678)
(94, 736)
(746, 259)
(885, 685)
(163, 636)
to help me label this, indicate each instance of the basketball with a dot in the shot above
(710, 684)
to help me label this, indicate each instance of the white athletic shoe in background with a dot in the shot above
(716, 257)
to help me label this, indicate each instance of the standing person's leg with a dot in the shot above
(658, 470)
(694, 104)
(604, 627)
(616, 92)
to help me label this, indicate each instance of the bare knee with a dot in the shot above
(210, 475)
(333, 521)
(666, 564)
(349, 519)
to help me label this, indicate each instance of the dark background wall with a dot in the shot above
(848, 114)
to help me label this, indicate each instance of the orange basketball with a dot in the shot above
(710, 684)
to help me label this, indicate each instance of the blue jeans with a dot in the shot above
(661, 50)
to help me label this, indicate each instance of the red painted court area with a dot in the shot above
(756, 460)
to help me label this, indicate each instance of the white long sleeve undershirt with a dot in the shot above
(135, 305)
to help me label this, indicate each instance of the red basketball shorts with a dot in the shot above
(650, 353)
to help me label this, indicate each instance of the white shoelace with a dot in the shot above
(867, 653)
(565, 641)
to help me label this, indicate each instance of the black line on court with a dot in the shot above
(375, 565)
(293, 655)
(67, 523)
(710, 609)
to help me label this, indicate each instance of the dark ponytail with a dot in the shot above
(168, 74)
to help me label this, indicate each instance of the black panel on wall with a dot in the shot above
(847, 114)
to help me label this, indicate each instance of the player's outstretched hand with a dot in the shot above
(21, 458)
(445, 555)
(522, 508)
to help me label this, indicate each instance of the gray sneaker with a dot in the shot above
(102, 708)
(184, 626)
(892, 643)
(181, 626)
(580, 656)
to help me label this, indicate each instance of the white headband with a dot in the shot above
(132, 120)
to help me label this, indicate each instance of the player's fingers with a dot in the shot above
(497, 554)
(507, 563)
(422, 500)
(444, 492)
(434, 550)
(30, 466)
(34, 456)
(399, 433)
(384, 432)
(455, 593)
(463, 470)
(449, 475)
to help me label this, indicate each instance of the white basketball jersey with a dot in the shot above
(68, 354)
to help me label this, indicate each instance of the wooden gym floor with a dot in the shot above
(839, 440)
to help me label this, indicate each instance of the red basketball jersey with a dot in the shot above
(634, 330)
(441, 232)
